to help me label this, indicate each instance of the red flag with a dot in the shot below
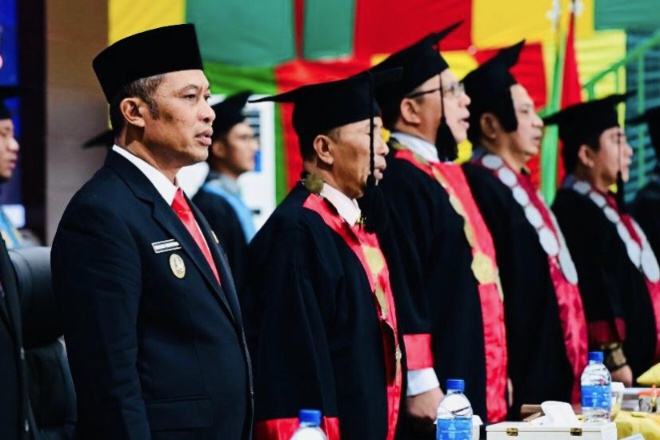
(571, 92)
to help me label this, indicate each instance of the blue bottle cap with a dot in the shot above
(456, 385)
(596, 356)
(310, 417)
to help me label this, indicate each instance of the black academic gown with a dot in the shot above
(13, 385)
(312, 328)
(538, 365)
(155, 344)
(646, 210)
(435, 289)
(225, 224)
(612, 287)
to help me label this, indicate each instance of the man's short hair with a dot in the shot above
(144, 89)
(570, 152)
(306, 142)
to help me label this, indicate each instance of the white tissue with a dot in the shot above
(559, 414)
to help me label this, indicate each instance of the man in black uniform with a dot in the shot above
(151, 317)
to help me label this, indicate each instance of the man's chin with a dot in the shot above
(459, 135)
(531, 153)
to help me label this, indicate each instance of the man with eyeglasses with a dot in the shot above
(448, 295)
(546, 329)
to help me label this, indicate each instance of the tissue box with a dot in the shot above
(527, 431)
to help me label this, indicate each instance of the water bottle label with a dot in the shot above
(596, 396)
(454, 429)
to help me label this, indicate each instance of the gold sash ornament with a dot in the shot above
(483, 267)
(376, 262)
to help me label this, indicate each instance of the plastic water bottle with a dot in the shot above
(596, 390)
(309, 420)
(454, 420)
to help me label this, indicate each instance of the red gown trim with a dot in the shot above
(453, 180)
(378, 275)
(418, 351)
(603, 332)
(283, 429)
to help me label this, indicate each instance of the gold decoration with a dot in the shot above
(314, 183)
(397, 361)
(215, 237)
(374, 258)
(441, 180)
(483, 268)
(469, 234)
(382, 302)
(498, 282)
(178, 266)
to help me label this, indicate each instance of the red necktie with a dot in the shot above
(182, 209)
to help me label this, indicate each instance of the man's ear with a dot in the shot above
(219, 149)
(489, 125)
(133, 109)
(586, 156)
(323, 146)
(409, 112)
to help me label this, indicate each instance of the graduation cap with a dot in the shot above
(7, 92)
(652, 119)
(420, 61)
(324, 106)
(229, 112)
(105, 139)
(488, 87)
(153, 52)
(580, 123)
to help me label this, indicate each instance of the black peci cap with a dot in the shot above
(324, 106)
(583, 122)
(229, 112)
(419, 61)
(153, 52)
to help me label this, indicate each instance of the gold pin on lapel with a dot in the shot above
(178, 266)
(215, 237)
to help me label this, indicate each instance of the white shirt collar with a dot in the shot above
(417, 145)
(163, 185)
(347, 208)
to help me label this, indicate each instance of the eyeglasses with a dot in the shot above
(456, 89)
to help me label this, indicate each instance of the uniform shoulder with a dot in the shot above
(208, 201)
(291, 215)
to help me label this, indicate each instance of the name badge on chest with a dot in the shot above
(165, 246)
